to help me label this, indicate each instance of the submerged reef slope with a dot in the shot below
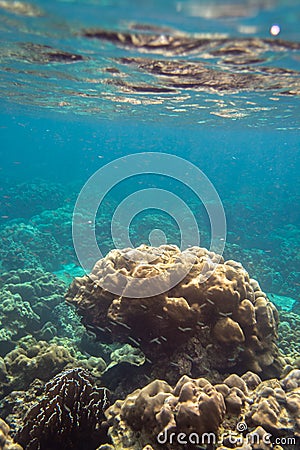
(28, 299)
(29, 198)
(23, 246)
(223, 323)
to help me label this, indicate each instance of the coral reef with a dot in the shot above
(275, 273)
(276, 406)
(23, 246)
(192, 406)
(266, 244)
(126, 368)
(28, 299)
(69, 415)
(25, 370)
(30, 198)
(17, 403)
(127, 354)
(224, 323)
(32, 302)
(58, 222)
(6, 442)
(16, 318)
(289, 337)
(35, 359)
(194, 409)
(282, 302)
(32, 359)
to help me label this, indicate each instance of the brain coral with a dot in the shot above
(69, 416)
(225, 321)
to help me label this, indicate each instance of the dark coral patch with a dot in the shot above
(68, 417)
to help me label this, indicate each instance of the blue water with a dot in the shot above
(255, 171)
(64, 117)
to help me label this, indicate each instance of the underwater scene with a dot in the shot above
(150, 225)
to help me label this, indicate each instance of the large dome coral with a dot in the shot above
(212, 317)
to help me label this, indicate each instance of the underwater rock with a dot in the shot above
(69, 415)
(6, 442)
(225, 322)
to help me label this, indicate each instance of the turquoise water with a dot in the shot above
(84, 83)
